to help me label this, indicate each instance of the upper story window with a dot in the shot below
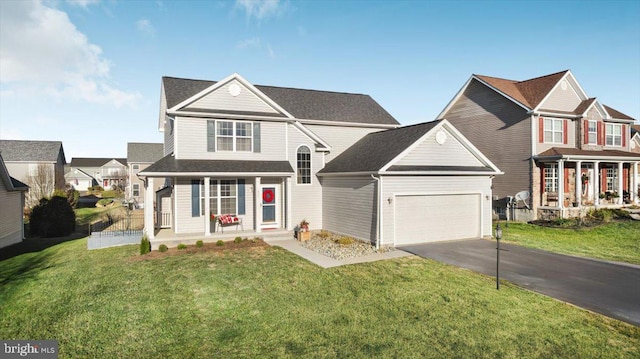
(136, 190)
(553, 130)
(230, 136)
(303, 158)
(135, 168)
(592, 134)
(613, 134)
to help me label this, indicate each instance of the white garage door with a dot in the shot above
(437, 217)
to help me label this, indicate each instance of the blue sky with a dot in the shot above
(87, 72)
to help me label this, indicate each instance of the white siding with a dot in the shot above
(186, 223)
(431, 153)
(10, 216)
(221, 99)
(562, 99)
(191, 142)
(349, 206)
(340, 138)
(413, 185)
(169, 136)
(306, 198)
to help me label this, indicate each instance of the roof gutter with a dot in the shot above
(553, 114)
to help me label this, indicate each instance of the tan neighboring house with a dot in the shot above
(39, 164)
(12, 202)
(139, 157)
(567, 150)
(105, 172)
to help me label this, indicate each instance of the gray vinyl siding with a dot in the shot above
(431, 153)
(191, 142)
(169, 137)
(306, 198)
(562, 100)
(592, 115)
(340, 138)
(10, 216)
(349, 206)
(571, 136)
(182, 195)
(221, 99)
(501, 130)
(421, 185)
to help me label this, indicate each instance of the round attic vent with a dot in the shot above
(234, 90)
(563, 85)
(441, 137)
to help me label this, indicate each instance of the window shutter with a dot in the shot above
(625, 179)
(195, 198)
(541, 129)
(600, 133)
(211, 136)
(624, 135)
(565, 135)
(603, 179)
(566, 181)
(256, 137)
(586, 132)
(241, 197)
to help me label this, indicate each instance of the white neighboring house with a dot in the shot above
(139, 157)
(106, 172)
(274, 156)
(79, 179)
(12, 201)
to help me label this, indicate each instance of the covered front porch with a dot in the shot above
(169, 238)
(573, 180)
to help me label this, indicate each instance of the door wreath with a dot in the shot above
(268, 195)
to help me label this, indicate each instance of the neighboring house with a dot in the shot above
(39, 164)
(12, 202)
(551, 139)
(635, 148)
(139, 157)
(274, 156)
(79, 179)
(106, 172)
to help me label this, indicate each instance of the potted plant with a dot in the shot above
(213, 221)
(303, 231)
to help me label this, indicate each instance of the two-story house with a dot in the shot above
(274, 156)
(565, 149)
(139, 157)
(105, 172)
(39, 164)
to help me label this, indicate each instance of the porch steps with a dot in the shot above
(634, 213)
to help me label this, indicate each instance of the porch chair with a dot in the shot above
(229, 220)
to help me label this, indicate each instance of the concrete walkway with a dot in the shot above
(608, 288)
(323, 261)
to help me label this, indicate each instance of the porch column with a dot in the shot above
(289, 204)
(579, 183)
(620, 183)
(561, 184)
(596, 183)
(257, 204)
(149, 227)
(207, 206)
(634, 184)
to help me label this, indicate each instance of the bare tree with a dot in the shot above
(41, 181)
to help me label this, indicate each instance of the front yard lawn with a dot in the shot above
(267, 302)
(616, 241)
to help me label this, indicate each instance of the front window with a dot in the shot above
(551, 177)
(612, 184)
(136, 190)
(224, 199)
(593, 133)
(553, 130)
(233, 136)
(304, 165)
(613, 134)
(224, 135)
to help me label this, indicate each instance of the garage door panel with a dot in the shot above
(432, 218)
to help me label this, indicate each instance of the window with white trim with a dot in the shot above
(592, 133)
(223, 197)
(612, 183)
(303, 162)
(553, 130)
(551, 177)
(231, 136)
(613, 134)
(136, 189)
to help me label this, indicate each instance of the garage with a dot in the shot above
(431, 218)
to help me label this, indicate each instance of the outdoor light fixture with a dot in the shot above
(498, 238)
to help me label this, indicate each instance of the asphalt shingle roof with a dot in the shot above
(31, 151)
(377, 149)
(144, 152)
(300, 103)
(617, 114)
(93, 161)
(169, 164)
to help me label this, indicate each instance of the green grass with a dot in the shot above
(86, 215)
(617, 240)
(267, 302)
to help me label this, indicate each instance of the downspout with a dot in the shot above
(378, 208)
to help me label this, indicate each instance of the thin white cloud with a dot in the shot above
(249, 43)
(260, 9)
(145, 26)
(83, 3)
(41, 49)
(272, 54)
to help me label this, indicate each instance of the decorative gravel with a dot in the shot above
(331, 249)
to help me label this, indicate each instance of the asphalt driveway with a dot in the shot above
(607, 288)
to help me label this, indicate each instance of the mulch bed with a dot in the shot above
(207, 247)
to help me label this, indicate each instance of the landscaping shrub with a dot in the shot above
(220, 243)
(104, 202)
(199, 243)
(145, 245)
(72, 197)
(182, 246)
(52, 218)
(345, 240)
(237, 240)
(163, 248)
(324, 234)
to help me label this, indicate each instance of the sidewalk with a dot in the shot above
(323, 261)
